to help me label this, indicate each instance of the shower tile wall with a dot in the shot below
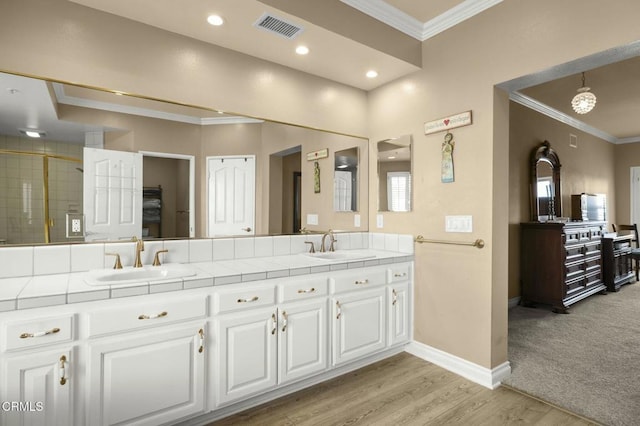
(22, 192)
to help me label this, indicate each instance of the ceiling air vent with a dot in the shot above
(278, 26)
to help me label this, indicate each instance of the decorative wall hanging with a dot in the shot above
(447, 158)
(316, 155)
(316, 177)
(446, 123)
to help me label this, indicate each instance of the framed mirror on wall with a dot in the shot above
(545, 184)
(394, 174)
(82, 116)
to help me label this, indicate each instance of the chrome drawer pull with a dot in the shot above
(63, 370)
(311, 290)
(40, 333)
(253, 299)
(359, 282)
(146, 317)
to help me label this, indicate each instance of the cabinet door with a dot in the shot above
(41, 383)
(302, 344)
(147, 378)
(359, 324)
(246, 353)
(398, 313)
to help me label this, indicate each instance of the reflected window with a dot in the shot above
(399, 191)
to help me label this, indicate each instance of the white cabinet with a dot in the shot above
(247, 343)
(398, 310)
(147, 378)
(302, 340)
(41, 383)
(359, 324)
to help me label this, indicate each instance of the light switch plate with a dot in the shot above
(458, 223)
(380, 221)
(356, 220)
(312, 219)
(75, 225)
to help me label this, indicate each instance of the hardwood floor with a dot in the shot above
(404, 390)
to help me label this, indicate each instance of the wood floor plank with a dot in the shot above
(403, 390)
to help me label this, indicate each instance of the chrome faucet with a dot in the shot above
(332, 240)
(137, 263)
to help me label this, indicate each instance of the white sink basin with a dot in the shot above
(130, 275)
(340, 255)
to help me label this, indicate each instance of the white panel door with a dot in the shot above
(359, 324)
(43, 381)
(231, 187)
(342, 191)
(247, 344)
(302, 345)
(148, 378)
(112, 194)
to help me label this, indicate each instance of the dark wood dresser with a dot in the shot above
(617, 268)
(560, 263)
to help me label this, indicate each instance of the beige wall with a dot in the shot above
(626, 156)
(460, 292)
(591, 167)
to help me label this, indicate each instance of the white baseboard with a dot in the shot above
(489, 378)
(513, 302)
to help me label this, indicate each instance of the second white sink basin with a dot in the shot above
(340, 255)
(130, 275)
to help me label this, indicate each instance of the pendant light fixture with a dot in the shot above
(584, 101)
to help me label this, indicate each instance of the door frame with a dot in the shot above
(192, 182)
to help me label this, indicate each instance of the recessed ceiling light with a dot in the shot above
(302, 50)
(33, 133)
(372, 74)
(215, 20)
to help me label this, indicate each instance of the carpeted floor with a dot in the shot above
(587, 361)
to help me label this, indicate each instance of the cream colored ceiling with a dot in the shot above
(424, 11)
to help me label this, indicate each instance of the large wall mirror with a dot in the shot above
(545, 184)
(42, 179)
(394, 174)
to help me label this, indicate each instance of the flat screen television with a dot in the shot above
(589, 207)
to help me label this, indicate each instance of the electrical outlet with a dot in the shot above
(75, 225)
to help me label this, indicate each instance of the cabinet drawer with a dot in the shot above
(302, 289)
(358, 280)
(397, 274)
(147, 314)
(241, 297)
(38, 332)
(574, 270)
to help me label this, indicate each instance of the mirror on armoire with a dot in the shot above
(545, 184)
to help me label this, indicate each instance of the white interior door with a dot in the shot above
(112, 194)
(231, 187)
(342, 191)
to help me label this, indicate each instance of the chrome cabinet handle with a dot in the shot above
(253, 299)
(360, 282)
(40, 333)
(154, 316)
(285, 318)
(62, 370)
(201, 334)
(311, 290)
(339, 309)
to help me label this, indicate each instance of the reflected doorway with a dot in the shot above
(285, 191)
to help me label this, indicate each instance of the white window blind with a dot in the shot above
(399, 191)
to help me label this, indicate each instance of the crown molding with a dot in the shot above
(394, 17)
(63, 98)
(560, 116)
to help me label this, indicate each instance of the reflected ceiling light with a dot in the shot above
(302, 50)
(372, 74)
(33, 133)
(584, 101)
(215, 20)
(391, 157)
(343, 166)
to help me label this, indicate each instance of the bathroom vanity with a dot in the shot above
(233, 334)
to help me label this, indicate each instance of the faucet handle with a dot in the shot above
(118, 264)
(156, 258)
(312, 248)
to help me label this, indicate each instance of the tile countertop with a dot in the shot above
(59, 289)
